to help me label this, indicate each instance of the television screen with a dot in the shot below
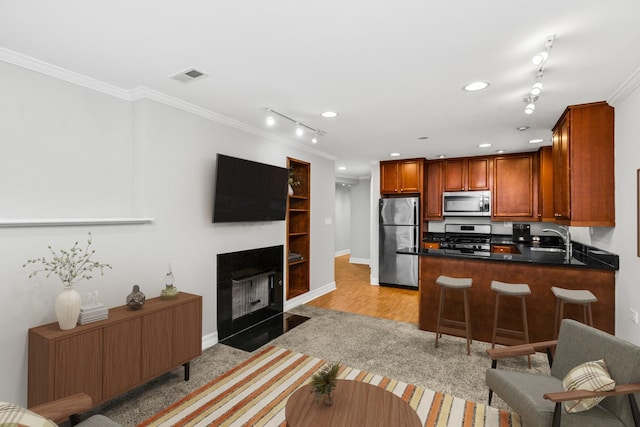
(249, 191)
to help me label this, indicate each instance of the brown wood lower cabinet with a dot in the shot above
(109, 357)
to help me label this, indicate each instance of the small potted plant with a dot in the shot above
(324, 382)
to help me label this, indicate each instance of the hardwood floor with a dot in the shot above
(354, 294)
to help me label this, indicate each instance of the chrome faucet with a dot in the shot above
(568, 246)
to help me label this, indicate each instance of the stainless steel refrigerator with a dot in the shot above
(399, 228)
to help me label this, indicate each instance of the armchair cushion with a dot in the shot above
(13, 415)
(591, 376)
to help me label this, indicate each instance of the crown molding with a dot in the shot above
(142, 92)
(60, 73)
(625, 89)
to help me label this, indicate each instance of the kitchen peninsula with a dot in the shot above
(541, 268)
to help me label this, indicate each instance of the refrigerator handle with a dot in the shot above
(416, 220)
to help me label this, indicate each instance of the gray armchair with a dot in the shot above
(538, 398)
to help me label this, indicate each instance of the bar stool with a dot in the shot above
(454, 327)
(511, 336)
(581, 297)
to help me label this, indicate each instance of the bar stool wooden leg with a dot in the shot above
(440, 311)
(495, 321)
(555, 320)
(590, 315)
(525, 326)
(467, 321)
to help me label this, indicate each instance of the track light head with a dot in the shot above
(536, 89)
(540, 58)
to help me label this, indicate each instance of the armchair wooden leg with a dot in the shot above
(557, 413)
(634, 409)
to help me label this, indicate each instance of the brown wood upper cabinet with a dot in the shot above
(583, 166)
(515, 190)
(545, 185)
(401, 176)
(467, 174)
(434, 184)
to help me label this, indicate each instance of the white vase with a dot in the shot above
(290, 190)
(68, 308)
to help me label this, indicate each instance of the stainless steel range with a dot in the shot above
(467, 239)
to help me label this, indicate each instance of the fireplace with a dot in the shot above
(249, 288)
(250, 298)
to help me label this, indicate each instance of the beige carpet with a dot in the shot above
(255, 393)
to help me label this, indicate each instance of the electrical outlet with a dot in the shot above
(634, 316)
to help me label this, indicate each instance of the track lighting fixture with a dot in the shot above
(536, 89)
(300, 127)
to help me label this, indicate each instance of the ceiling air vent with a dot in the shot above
(189, 75)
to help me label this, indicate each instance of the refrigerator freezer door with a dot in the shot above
(399, 211)
(398, 269)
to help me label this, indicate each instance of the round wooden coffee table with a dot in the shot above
(354, 404)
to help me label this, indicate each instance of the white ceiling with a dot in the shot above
(392, 70)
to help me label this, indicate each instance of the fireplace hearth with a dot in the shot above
(250, 298)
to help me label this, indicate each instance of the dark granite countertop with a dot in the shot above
(584, 256)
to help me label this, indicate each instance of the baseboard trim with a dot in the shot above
(209, 340)
(343, 252)
(309, 296)
(353, 260)
(374, 281)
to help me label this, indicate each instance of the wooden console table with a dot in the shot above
(354, 403)
(109, 357)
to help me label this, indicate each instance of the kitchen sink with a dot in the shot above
(539, 249)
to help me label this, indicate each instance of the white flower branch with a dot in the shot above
(70, 265)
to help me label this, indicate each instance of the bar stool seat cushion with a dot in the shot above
(454, 282)
(514, 289)
(581, 296)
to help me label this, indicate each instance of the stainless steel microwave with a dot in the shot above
(466, 203)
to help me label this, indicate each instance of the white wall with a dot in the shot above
(343, 219)
(360, 222)
(68, 151)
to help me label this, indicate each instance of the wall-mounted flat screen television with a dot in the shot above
(249, 191)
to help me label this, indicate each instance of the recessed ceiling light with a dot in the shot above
(500, 151)
(329, 114)
(271, 121)
(342, 168)
(472, 87)
(522, 128)
(484, 145)
(536, 141)
(441, 156)
(394, 154)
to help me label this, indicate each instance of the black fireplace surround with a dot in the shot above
(233, 269)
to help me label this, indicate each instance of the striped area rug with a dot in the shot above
(255, 393)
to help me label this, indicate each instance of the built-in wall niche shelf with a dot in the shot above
(61, 222)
